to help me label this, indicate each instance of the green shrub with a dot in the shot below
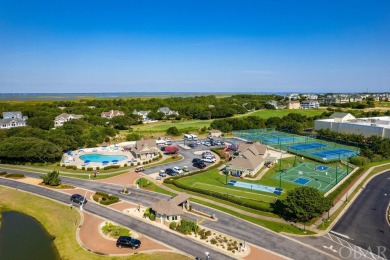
(89, 169)
(359, 160)
(147, 213)
(187, 227)
(131, 164)
(52, 178)
(58, 164)
(63, 165)
(3, 173)
(173, 225)
(143, 182)
(83, 168)
(125, 165)
(208, 233)
(114, 230)
(138, 163)
(152, 217)
(213, 241)
(98, 168)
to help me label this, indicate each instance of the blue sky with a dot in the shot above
(218, 46)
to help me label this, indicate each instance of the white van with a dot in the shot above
(194, 137)
(187, 137)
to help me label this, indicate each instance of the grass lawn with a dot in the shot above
(49, 213)
(161, 126)
(267, 113)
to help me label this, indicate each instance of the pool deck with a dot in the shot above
(74, 159)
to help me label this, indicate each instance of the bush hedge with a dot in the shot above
(89, 169)
(105, 198)
(3, 173)
(73, 167)
(220, 154)
(111, 167)
(250, 204)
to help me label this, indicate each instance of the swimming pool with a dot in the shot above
(95, 157)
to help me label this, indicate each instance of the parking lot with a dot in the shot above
(188, 155)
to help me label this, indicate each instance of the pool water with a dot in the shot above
(95, 157)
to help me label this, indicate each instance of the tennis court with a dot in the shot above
(307, 146)
(321, 177)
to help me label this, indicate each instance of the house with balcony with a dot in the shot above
(12, 119)
(293, 105)
(310, 104)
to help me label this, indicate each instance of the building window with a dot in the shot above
(174, 217)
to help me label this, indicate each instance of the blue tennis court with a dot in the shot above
(253, 186)
(308, 146)
(335, 153)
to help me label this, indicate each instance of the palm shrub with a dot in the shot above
(52, 178)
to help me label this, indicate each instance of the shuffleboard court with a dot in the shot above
(236, 192)
(254, 186)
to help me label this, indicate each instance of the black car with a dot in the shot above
(197, 160)
(199, 165)
(77, 198)
(170, 171)
(192, 145)
(125, 241)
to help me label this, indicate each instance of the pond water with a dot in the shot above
(23, 237)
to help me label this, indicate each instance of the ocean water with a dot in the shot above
(77, 96)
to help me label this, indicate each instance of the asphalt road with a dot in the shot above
(186, 245)
(226, 223)
(365, 220)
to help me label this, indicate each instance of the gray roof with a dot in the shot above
(12, 114)
(65, 116)
(339, 115)
(170, 207)
(164, 110)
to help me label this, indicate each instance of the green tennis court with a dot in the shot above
(321, 177)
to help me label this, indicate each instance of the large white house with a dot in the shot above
(112, 113)
(167, 112)
(61, 119)
(348, 124)
(310, 104)
(12, 119)
(142, 114)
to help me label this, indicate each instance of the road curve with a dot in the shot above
(365, 220)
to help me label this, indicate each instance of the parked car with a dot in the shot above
(207, 154)
(218, 142)
(197, 160)
(192, 145)
(185, 169)
(209, 159)
(139, 169)
(158, 178)
(162, 148)
(162, 173)
(178, 170)
(207, 144)
(77, 198)
(199, 165)
(125, 241)
(198, 142)
(170, 171)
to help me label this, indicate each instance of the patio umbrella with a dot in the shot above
(87, 161)
(105, 162)
(69, 152)
(114, 161)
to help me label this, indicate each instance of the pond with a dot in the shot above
(23, 237)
